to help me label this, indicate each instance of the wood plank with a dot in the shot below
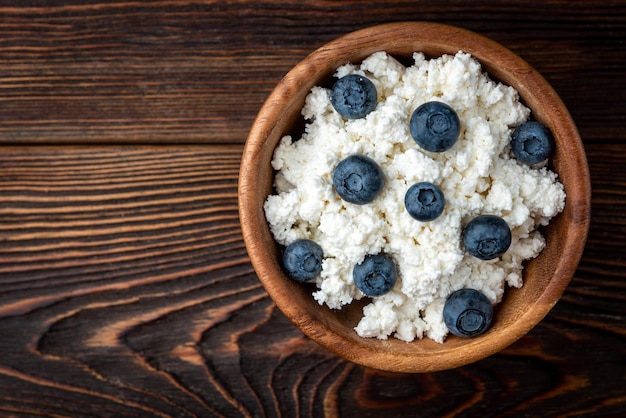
(179, 71)
(126, 291)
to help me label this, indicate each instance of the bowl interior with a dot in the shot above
(545, 277)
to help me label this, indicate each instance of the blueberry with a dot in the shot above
(376, 275)
(358, 179)
(467, 313)
(424, 201)
(487, 237)
(302, 260)
(353, 96)
(532, 143)
(435, 126)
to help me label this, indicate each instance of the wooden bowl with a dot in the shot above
(545, 277)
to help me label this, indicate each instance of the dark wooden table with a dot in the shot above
(125, 287)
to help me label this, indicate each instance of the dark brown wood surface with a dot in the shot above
(125, 286)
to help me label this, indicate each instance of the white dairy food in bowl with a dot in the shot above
(477, 176)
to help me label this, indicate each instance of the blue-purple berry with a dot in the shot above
(467, 313)
(486, 237)
(302, 260)
(424, 201)
(353, 96)
(435, 126)
(376, 275)
(358, 179)
(532, 143)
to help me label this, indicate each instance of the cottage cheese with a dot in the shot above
(477, 176)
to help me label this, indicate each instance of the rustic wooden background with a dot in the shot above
(125, 287)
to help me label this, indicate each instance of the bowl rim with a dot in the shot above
(430, 38)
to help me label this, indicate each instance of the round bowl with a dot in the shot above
(545, 277)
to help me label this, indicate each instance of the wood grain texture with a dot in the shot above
(126, 291)
(198, 71)
(125, 287)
